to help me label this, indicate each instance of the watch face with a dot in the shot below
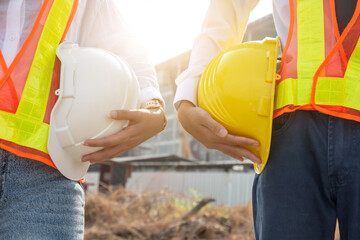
(152, 104)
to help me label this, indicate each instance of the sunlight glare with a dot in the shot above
(167, 28)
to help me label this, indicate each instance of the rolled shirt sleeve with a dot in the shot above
(224, 26)
(99, 24)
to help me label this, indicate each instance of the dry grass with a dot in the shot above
(161, 216)
(124, 215)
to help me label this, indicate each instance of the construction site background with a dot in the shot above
(155, 213)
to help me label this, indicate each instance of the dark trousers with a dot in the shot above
(312, 178)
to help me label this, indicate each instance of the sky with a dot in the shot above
(167, 28)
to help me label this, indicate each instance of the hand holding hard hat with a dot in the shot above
(143, 124)
(212, 134)
(237, 88)
(94, 82)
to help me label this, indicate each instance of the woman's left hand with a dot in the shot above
(143, 124)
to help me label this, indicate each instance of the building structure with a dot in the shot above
(174, 140)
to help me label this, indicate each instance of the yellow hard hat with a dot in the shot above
(237, 88)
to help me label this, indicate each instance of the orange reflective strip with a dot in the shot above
(336, 31)
(321, 109)
(71, 18)
(2, 62)
(24, 46)
(337, 114)
(13, 91)
(27, 155)
(290, 34)
(10, 82)
(334, 20)
(286, 109)
(333, 51)
(32, 157)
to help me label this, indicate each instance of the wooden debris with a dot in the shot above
(163, 216)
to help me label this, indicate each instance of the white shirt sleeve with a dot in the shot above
(98, 23)
(224, 26)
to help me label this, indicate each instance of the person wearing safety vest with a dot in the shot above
(312, 177)
(36, 201)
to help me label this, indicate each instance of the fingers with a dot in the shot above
(113, 146)
(238, 140)
(230, 145)
(124, 136)
(206, 135)
(239, 152)
(213, 135)
(143, 125)
(132, 115)
(105, 154)
(220, 131)
(98, 156)
(195, 120)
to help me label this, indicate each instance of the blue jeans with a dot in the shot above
(312, 178)
(37, 202)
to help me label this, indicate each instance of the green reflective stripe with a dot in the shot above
(293, 92)
(310, 35)
(36, 92)
(26, 132)
(352, 76)
(26, 127)
(329, 91)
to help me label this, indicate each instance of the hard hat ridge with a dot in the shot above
(237, 88)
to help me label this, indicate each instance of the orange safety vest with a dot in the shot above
(28, 85)
(320, 67)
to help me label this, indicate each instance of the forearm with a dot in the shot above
(100, 25)
(224, 26)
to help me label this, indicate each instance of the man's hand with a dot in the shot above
(143, 124)
(213, 135)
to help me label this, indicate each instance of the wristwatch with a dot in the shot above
(155, 104)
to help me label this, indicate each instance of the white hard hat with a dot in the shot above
(92, 83)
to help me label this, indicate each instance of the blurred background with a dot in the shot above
(168, 28)
(173, 169)
(173, 159)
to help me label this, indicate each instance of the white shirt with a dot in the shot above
(224, 25)
(97, 23)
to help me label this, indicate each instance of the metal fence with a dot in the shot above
(228, 188)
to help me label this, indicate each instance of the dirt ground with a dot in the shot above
(124, 215)
(164, 216)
